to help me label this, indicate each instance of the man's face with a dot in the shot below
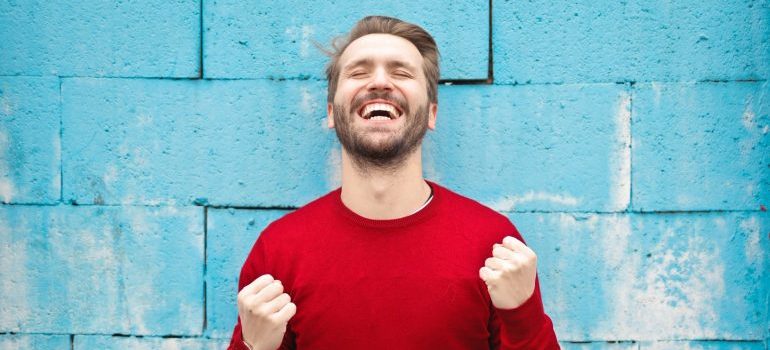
(381, 109)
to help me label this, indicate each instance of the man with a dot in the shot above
(389, 260)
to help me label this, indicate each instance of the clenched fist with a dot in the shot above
(265, 310)
(510, 273)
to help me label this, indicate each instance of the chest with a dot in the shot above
(409, 291)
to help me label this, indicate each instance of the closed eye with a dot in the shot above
(357, 74)
(402, 74)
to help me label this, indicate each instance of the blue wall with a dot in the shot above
(143, 147)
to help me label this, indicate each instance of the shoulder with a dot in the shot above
(308, 215)
(458, 203)
(485, 220)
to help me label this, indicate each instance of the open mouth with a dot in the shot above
(379, 110)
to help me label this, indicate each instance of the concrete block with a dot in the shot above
(30, 148)
(140, 141)
(607, 41)
(702, 345)
(34, 341)
(628, 345)
(127, 270)
(652, 276)
(520, 148)
(230, 236)
(94, 38)
(258, 40)
(701, 146)
(104, 342)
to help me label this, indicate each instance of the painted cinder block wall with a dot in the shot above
(144, 146)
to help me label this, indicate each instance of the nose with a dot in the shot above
(380, 81)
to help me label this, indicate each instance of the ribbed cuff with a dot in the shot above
(523, 320)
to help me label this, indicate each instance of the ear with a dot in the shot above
(432, 110)
(330, 115)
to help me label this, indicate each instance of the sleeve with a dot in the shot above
(253, 267)
(525, 327)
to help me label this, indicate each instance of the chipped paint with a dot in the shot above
(752, 247)
(6, 105)
(669, 273)
(14, 281)
(684, 284)
(748, 117)
(309, 102)
(303, 34)
(657, 90)
(509, 203)
(7, 188)
(110, 175)
(620, 158)
(144, 120)
(55, 183)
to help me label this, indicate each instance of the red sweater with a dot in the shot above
(407, 283)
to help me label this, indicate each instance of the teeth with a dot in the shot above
(379, 107)
(379, 117)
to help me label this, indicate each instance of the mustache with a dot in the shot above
(387, 96)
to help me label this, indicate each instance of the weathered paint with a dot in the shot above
(701, 146)
(128, 270)
(519, 148)
(34, 341)
(645, 200)
(87, 342)
(702, 345)
(90, 38)
(599, 345)
(652, 276)
(242, 40)
(29, 140)
(610, 41)
(231, 235)
(178, 141)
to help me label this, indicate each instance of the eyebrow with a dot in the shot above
(370, 62)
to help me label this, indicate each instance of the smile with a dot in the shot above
(379, 110)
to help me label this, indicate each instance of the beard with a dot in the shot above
(385, 154)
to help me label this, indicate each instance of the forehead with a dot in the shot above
(381, 48)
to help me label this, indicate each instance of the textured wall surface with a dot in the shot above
(145, 145)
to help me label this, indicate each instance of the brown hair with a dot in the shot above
(387, 25)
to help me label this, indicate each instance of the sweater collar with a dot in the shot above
(421, 215)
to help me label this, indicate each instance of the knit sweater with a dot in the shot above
(406, 283)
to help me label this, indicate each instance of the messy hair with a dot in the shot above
(393, 26)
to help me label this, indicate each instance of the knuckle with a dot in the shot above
(511, 267)
(275, 319)
(262, 310)
(244, 300)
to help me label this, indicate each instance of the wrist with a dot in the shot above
(245, 343)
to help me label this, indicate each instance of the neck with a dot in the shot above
(383, 194)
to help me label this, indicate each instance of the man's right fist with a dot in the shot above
(265, 310)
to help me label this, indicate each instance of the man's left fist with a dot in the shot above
(510, 273)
